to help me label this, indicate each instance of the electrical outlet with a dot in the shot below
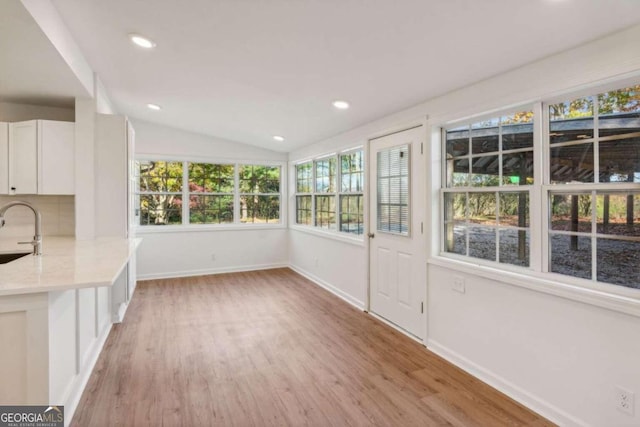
(317, 262)
(625, 400)
(213, 257)
(458, 284)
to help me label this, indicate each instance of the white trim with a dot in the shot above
(206, 159)
(329, 287)
(200, 228)
(209, 271)
(550, 284)
(80, 381)
(518, 394)
(340, 236)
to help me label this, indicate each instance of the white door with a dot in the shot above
(397, 244)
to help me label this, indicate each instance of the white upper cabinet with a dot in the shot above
(56, 157)
(23, 157)
(4, 158)
(41, 157)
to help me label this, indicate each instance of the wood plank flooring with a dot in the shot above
(271, 348)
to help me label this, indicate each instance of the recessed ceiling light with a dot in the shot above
(155, 107)
(278, 138)
(341, 105)
(142, 41)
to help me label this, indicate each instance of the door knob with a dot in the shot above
(371, 235)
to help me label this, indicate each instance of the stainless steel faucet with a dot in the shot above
(37, 237)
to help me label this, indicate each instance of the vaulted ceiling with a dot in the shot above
(31, 69)
(246, 70)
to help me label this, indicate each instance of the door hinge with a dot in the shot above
(422, 227)
(422, 307)
(422, 148)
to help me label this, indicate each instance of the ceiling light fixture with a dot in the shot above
(278, 138)
(154, 107)
(142, 41)
(341, 105)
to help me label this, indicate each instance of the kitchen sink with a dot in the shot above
(6, 258)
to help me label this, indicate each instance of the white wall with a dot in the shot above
(57, 216)
(558, 356)
(336, 265)
(184, 253)
(156, 139)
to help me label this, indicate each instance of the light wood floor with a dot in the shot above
(271, 348)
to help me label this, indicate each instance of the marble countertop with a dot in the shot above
(65, 263)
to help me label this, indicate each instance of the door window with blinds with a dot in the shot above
(330, 192)
(392, 182)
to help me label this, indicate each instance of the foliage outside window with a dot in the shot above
(211, 193)
(594, 231)
(160, 192)
(485, 163)
(304, 189)
(329, 193)
(352, 188)
(259, 194)
(216, 193)
(325, 188)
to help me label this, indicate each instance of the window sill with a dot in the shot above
(549, 283)
(199, 228)
(332, 235)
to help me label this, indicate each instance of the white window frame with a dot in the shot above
(538, 276)
(532, 190)
(549, 189)
(236, 225)
(313, 228)
(350, 193)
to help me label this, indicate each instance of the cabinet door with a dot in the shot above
(4, 158)
(56, 157)
(23, 157)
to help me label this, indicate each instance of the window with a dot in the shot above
(259, 194)
(325, 188)
(393, 190)
(486, 210)
(211, 189)
(329, 192)
(590, 187)
(304, 182)
(351, 197)
(216, 193)
(594, 229)
(160, 192)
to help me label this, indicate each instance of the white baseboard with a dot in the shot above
(542, 407)
(80, 380)
(118, 317)
(326, 285)
(207, 271)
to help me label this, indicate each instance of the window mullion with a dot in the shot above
(538, 198)
(236, 193)
(338, 192)
(185, 193)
